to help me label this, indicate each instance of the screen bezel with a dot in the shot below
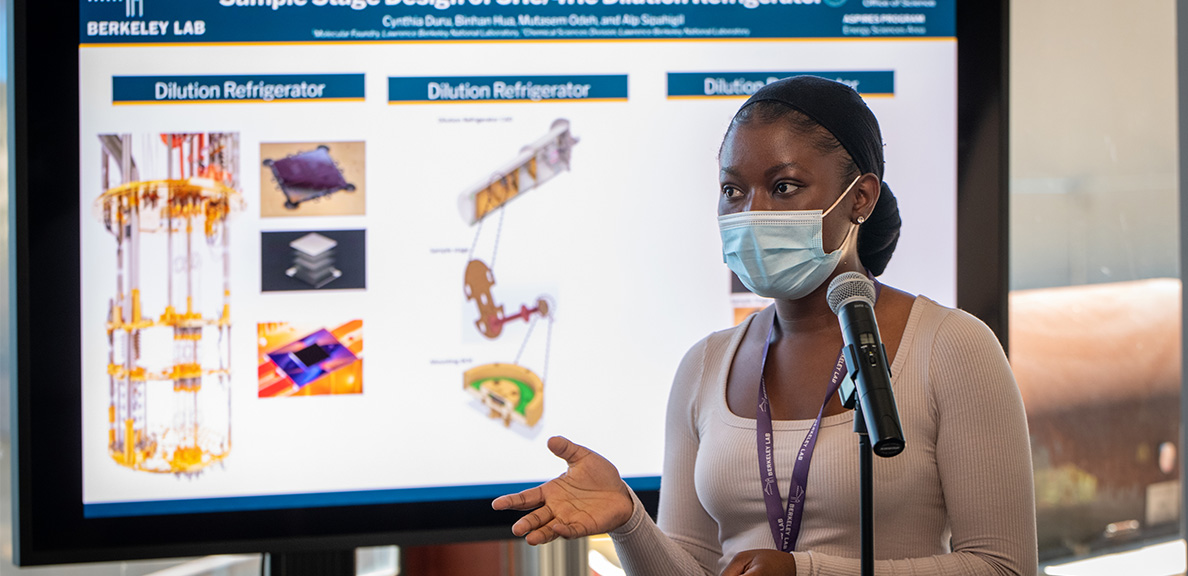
(44, 161)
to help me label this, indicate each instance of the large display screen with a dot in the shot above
(364, 251)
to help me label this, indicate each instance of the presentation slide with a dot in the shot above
(373, 251)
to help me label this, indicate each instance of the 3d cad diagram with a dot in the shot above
(510, 391)
(313, 260)
(536, 164)
(169, 320)
(317, 361)
(308, 175)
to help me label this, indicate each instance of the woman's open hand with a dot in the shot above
(589, 498)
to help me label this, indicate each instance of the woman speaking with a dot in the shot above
(801, 201)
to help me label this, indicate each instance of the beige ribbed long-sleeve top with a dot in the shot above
(964, 475)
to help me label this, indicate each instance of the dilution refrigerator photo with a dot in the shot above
(166, 200)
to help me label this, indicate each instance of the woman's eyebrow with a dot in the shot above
(770, 171)
(783, 166)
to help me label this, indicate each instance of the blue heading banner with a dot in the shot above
(742, 84)
(264, 21)
(426, 90)
(239, 88)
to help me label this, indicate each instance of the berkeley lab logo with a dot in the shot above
(102, 20)
(132, 8)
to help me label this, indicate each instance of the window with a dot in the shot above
(1095, 299)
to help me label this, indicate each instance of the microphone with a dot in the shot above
(851, 296)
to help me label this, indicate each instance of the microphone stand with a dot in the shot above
(866, 499)
(849, 397)
(869, 376)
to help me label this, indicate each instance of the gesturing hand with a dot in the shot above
(761, 563)
(589, 498)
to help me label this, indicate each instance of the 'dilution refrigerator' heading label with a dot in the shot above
(447, 89)
(741, 84)
(238, 88)
(220, 21)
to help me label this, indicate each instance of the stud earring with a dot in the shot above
(861, 219)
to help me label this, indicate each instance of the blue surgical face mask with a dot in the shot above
(779, 254)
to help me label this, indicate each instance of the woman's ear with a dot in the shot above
(866, 194)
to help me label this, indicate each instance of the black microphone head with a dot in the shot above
(848, 287)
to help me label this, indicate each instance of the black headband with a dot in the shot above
(836, 107)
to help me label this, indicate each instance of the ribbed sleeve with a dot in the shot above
(688, 544)
(964, 477)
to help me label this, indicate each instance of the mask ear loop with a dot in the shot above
(839, 198)
(853, 226)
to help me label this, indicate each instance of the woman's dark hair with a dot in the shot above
(837, 121)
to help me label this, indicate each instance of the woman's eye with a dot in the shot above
(786, 188)
(731, 192)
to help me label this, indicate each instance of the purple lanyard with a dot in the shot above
(785, 528)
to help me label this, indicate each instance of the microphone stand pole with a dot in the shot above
(866, 499)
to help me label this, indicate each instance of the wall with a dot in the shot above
(1093, 156)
